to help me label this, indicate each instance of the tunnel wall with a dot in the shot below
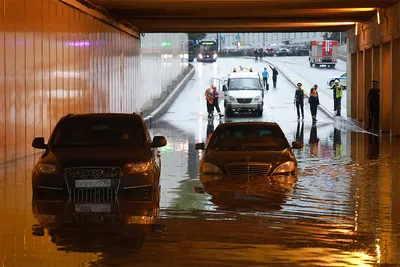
(57, 59)
(377, 42)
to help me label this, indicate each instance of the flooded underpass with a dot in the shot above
(341, 209)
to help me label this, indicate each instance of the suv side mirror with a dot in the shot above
(159, 141)
(297, 145)
(224, 88)
(200, 146)
(38, 142)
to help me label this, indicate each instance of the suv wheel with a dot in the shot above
(259, 113)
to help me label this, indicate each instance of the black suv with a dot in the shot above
(107, 153)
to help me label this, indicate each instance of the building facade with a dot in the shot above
(255, 39)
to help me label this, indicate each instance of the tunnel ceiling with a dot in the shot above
(242, 15)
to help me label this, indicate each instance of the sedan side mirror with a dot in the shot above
(200, 146)
(38, 142)
(159, 141)
(297, 145)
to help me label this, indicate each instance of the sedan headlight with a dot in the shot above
(134, 168)
(200, 56)
(231, 98)
(47, 168)
(286, 167)
(211, 168)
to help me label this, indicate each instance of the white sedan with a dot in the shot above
(342, 79)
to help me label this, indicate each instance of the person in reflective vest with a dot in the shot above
(209, 102)
(313, 100)
(337, 97)
(213, 101)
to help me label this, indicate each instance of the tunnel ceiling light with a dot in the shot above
(378, 18)
(356, 29)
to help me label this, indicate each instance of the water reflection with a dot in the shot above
(314, 141)
(373, 146)
(115, 228)
(257, 194)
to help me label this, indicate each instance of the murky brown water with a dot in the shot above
(343, 210)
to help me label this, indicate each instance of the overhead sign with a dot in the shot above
(166, 43)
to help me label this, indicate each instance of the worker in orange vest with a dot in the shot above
(212, 98)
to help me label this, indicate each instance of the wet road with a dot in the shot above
(344, 209)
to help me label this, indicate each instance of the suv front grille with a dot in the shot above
(93, 195)
(256, 169)
(244, 100)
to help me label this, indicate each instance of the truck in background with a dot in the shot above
(323, 53)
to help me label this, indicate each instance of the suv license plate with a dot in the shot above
(92, 208)
(95, 183)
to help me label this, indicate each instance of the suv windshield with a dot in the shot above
(249, 138)
(244, 84)
(104, 132)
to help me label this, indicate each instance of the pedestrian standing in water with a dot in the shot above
(209, 102)
(373, 106)
(299, 100)
(215, 102)
(313, 100)
(274, 75)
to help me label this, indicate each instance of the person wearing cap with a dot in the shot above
(265, 78)
(299, 100)
(214, 95)
(373, 105)
(313, 100)
(337, 97)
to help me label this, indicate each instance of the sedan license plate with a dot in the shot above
(95, 183)
(92, 208)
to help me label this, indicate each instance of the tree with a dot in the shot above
(196, 36)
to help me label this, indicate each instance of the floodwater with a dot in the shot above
(342, 208)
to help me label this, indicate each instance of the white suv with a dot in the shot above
(244, 93)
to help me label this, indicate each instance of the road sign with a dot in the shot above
(223, 38)
(237, 37)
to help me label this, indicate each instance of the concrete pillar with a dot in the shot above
(360, 84)
(385, 87)
(352, 104)
(395, 88)
(367, 82)
(376, 64)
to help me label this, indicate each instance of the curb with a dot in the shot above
(160, 111)
(342, 57)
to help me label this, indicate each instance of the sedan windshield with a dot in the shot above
(249, 138)
(105, 132)
(244, 84)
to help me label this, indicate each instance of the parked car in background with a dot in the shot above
(342, 79)
(283, 52)
(269, 52)
(302, 51)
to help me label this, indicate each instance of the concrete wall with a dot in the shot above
(376, 47)
(57, 59)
